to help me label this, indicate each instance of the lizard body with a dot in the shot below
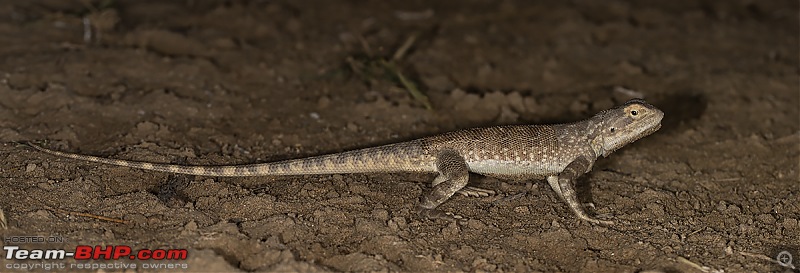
(560, 153)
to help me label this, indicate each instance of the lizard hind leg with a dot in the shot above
(564, 188)
(453, 176)
(467, 191)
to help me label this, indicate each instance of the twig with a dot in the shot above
(89, 215)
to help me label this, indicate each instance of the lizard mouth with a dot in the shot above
(647, 132)
(652, 130)
(640, 135)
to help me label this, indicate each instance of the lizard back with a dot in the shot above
(515, 151)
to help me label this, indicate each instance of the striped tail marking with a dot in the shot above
(388, 158)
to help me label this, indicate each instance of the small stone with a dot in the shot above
(522, 209)
(39, 214)
(397, 223)
(516, 102)
(578, 107)
(223, 43)
(451, 231)
(30, 167)
(439, 82)
(191, 226)
(555, 225)
(476, 224)
(381, 214)
(323, 102)
(108, 234)
(507, 115)
(531, 105)
(721, 207)
(766, 219)
(332, 194)
(137, 219)
(479, 262)
(790, 224)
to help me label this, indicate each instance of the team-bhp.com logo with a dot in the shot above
(96, 257)
(95, 253)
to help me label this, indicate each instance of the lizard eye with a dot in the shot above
(634, 112)
(613, 129)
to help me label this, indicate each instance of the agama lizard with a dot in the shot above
(560, 153)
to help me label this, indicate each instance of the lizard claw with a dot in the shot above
(470, 191)
(602, 222)
(598, 221)
(438, 214)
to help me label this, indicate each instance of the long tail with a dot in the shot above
(405, 156)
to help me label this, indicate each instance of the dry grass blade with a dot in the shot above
(765, 258)
(373, 67)
(3, 222)
(401, 52)
(702, 268)
(410, 86)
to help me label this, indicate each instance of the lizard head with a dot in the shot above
(616, 127)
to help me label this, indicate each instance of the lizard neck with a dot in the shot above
(593, 128)
(586, 132)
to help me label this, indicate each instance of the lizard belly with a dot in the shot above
(510, 168)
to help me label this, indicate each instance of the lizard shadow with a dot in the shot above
(681, 110)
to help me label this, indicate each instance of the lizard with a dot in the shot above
(559, 153)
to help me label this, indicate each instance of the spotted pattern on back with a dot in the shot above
(505, 151)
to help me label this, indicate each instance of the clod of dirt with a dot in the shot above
(166, 42)
(359, 262)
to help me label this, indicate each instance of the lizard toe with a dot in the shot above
(438, 214)
(470, 191)
(601, 220)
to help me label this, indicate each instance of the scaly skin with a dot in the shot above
(560, 153)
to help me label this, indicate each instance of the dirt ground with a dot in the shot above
(231, 82)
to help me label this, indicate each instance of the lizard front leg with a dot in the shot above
(563, 185)
(453, 176)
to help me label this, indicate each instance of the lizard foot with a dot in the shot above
(598, 221)
(438, 214)
(470, 191)
(608, 220)
(606, 217)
